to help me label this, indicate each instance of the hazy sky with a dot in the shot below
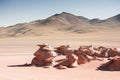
(19, 11)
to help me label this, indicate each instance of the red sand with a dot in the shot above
(20, 51)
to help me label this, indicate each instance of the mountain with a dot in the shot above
(64, 19)
(95, 21)
(61, 22)
(115, 18)
(113, 21)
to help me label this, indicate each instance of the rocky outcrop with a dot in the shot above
(112, 65)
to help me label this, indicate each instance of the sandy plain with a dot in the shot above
(19, 50)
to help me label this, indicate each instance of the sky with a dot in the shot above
(20, 11)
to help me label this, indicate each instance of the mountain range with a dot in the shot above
(59, 23)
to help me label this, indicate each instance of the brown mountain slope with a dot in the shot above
(59, 23)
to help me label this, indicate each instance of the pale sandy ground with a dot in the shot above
(15, 51)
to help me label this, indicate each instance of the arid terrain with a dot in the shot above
(65, 22)
(19, 50)
(18, 43)
(59, 39)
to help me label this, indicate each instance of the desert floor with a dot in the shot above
(16, 51)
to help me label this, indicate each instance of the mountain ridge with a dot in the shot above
(61, 22)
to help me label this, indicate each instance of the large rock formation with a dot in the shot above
(112, 65)
(44, 56)
(70, 61)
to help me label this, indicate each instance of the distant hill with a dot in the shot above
(61, 22)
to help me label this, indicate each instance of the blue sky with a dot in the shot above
(19, 11)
